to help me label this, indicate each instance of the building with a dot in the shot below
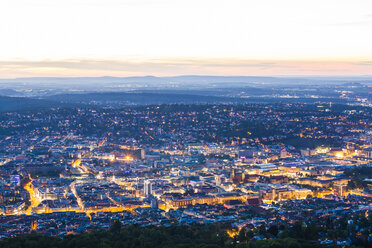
(147, 188)
(284, 153)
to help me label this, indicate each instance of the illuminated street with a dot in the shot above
(34, 200)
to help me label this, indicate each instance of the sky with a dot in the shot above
(182, 37)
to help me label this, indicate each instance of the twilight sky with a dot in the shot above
(178, 37)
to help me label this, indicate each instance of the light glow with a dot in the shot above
(172, 37)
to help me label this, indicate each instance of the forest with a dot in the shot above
(201, 236)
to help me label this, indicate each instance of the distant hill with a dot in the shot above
(118, 99)
(122, 98)
(9, 92)
(23, 103)
(221, 86)
(199, 80)
(149, 79)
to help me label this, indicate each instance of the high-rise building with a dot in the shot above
(147, 188)
(143, 154)
(218, 180)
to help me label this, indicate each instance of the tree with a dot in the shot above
(242, 235)
(116, 227)
(201, 159)
(262, 230)
(273, 230)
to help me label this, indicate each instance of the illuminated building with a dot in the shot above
(147, 188)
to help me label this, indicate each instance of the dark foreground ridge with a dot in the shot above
(204, 236)
(299, 235)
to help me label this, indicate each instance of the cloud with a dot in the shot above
(365, 63)
(179, 66)
(154, 65)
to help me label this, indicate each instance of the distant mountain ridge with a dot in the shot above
(187, 79)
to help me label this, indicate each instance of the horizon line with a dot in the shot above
(192, 75)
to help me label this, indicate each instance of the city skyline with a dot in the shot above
(185, 123)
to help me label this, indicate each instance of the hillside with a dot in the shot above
(23, 103)
(118, 99)
(122, 98)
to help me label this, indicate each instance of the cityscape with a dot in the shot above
(185, 124)
(67, 171)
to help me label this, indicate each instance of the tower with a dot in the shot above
(147, 188)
